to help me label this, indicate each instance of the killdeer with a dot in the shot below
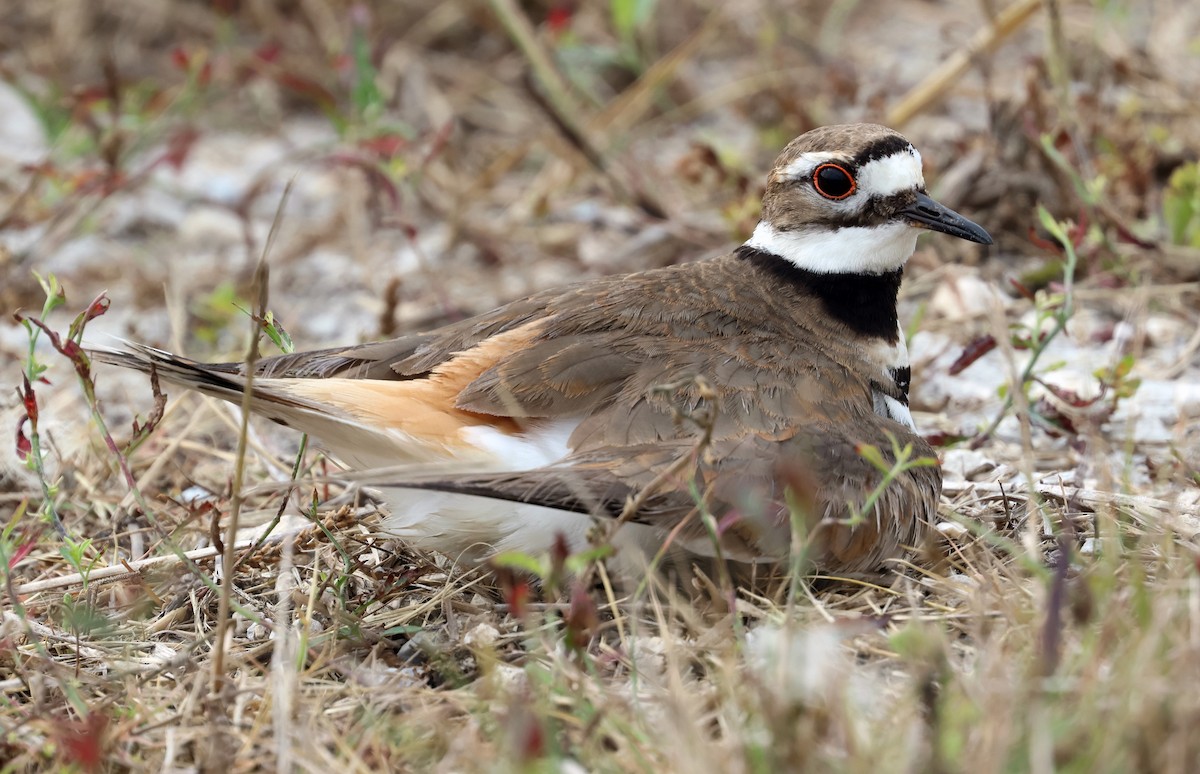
(707, 385)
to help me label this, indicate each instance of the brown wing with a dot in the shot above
(628, 355)
(750, 486)
(417, 354)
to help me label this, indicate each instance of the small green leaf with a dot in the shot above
(1051, 224)
(278, 334)
(872, 455)
(577, 563)
(516, 560)
(1181, 205)
(366, 95)
(629, 15)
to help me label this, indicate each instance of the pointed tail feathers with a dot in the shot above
(353, 441)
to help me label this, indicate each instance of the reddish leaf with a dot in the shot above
(179, 147)
(518, 598)
(374, 176)
(1078, 232)
(87, 96)
(386, 146)
(268, 52)
(98, 307)
(102, 180)
(533, 743)
(1019, 286)
(558, 18)
(972, 352)
(83, 741)
(180, 58)
(1021, 340)
(559, 551)
(22, 551)
(582, 619)
(1070, 397)
(940, 439)
(306, 87)
(186, 60)
(516, 591)
(24, 445)
(1044, 244)
(528, 737)
(30, 400)
(1128, 237)
(140, 431)
(439, 142)
(42, 169)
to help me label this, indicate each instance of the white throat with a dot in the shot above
(849, 250)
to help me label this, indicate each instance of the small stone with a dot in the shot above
(1163, 331)
(194, 494)
(952, 529)
(966, 581)
(1187, 399)
(966, 464)
(211, 227)
(508, 678)
(482, 635)
(964, 295)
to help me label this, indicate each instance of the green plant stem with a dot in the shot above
(1061, 317)
(261, 290)
(235, 500)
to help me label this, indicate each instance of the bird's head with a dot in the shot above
(850, 199)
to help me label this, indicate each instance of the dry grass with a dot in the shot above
(448, 156)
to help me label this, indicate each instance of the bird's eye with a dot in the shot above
(833, 182)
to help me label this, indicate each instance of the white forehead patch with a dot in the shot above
(892, 174)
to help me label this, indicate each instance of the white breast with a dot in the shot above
(889, 358)
(887, 406)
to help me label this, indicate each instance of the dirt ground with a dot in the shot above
(405, 164)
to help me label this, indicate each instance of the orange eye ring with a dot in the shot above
(833, 182)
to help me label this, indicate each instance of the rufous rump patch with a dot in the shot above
(424, 408)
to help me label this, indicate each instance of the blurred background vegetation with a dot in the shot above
(604, 136)
(421, 161)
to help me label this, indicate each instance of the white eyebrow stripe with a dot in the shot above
(901, 171)
(892, 174)
(804, 164)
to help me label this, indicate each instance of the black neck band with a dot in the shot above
(866, 303)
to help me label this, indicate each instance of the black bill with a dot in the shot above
(926, 213)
